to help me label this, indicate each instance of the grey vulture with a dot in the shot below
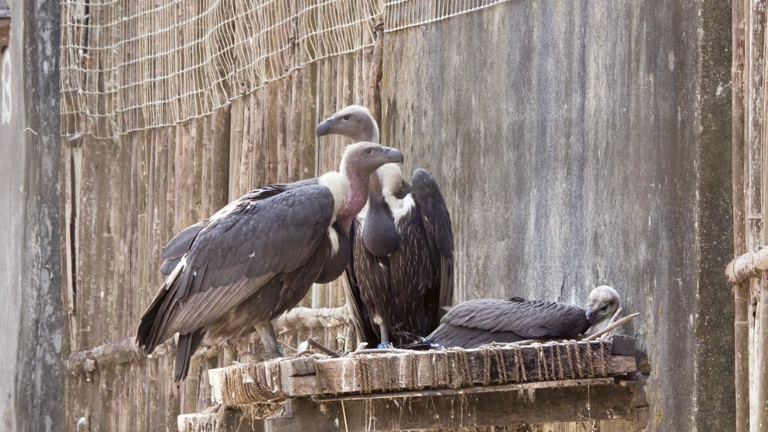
(400, 278)
(479, 322)
(257, 257)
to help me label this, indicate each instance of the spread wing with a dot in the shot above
(530, 319)
(437, 222)
(234, 254)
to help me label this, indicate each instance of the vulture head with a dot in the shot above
(354, 121)
(360, 160)
(603, 302)
(366, 157)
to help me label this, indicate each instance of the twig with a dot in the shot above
(315, 343)
(615, 316)
(610, 327)
(344, 412)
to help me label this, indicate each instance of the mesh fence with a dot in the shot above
(129, 65)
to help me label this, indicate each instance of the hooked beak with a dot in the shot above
(591, 315)
(393, 155)
(325, 126)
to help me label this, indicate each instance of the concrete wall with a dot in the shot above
(31, 369)
(581, 143)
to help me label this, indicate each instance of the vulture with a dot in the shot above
(257, 257)
(400, 277)
(479, 322)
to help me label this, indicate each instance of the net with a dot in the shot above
(130, 65)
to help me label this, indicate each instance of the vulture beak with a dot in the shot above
(392, 154)
(591, 315)
(325, 126)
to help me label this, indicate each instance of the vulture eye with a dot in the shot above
(369, 151)
(346, 117)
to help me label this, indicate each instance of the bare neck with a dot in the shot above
(355, 196)
(368, 133)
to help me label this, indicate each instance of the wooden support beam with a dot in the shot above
(232, 420)
(126, 350)
(5, 30)
(747, 265)
(443, 409)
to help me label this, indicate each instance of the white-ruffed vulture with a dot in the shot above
(258, 256)
(479, 322)
(402, 246)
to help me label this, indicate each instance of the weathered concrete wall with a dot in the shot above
(31, 369)
(12, 215)
(581, 143)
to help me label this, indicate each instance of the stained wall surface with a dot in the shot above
(586, 143)
(31, 316)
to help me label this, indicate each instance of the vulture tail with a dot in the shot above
(187, 346)
(153, 320)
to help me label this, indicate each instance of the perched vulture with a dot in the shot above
(478, 322)
(402, 246)
(258, 256)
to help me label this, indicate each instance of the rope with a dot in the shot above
(253, 383)
(363, 370)
(414, 371)
(520, 373)
(461, 372)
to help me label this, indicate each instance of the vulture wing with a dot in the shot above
(234, 254)
(357, 310)
(181, 242)
(530, 319)
(437, 223)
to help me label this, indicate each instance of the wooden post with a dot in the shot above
(756, 35)
(740, 291)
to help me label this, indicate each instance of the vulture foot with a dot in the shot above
(385, 345)
(269, 341)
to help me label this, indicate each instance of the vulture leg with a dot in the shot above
(385, 342)
(269, 341)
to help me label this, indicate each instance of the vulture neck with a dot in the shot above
(369, 132)
(355, 196)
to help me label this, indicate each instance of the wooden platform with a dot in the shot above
(426, 390)
(610, 403)
(388, 372)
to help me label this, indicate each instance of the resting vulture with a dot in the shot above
(258, 256)
(402, 246)
(478, 322)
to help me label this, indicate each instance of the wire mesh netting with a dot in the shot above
(131, 65)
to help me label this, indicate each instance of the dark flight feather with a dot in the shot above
(477, 322)
(232, 256)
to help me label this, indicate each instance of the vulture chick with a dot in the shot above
(257, 257)
(402, 246)
(479, 322)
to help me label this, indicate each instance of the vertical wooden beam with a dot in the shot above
(740, 291)
(756, 36)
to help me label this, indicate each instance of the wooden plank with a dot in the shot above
(441, 411)
(415, 370)
(232, 420)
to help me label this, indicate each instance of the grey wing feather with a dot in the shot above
(437, 223)
(239, 251)
(531, 319)
(178, 246)
(357, 309)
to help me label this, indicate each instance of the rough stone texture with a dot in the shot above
(31, 368)
(12, 215)
(582, 143)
